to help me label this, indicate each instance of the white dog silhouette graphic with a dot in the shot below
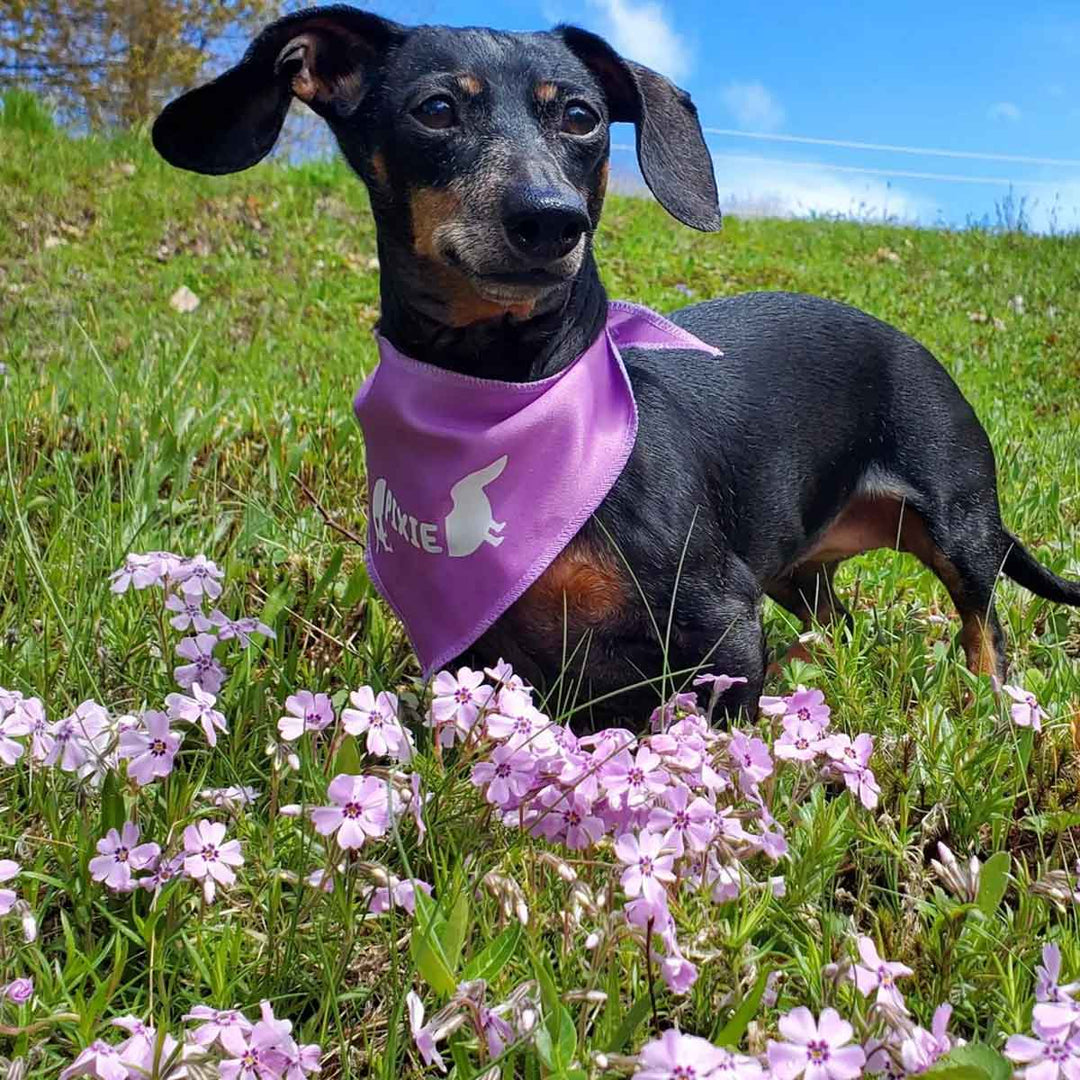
(470, 523)
(378, 515)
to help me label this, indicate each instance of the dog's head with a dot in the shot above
(485, 153)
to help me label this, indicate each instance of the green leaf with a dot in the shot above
(455, 929)
(993, 881)
(112, 804)
(489, 962)
(426, 949)
(973, 1061)
(347, 759)
(556, 1041)
(638, 1011)
(730, 1034)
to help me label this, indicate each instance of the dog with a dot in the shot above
(816, 434)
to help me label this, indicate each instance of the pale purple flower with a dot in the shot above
(361, 810)
(207, 858)
(880, 975)
(456, 705)
(423, 1036)
(18, 991)
(720, 683)
(502, 675)
(648, 866)
(230, 798)
(203, 670)
(378, 716)
(508, 775)
(497, 1032)
(32, 712)
(199, 708)
(687, 823)
(258, 1056)
(302, 1061)
(805, 705)
(569, 816)
(816, 1049)
(638, 778)
(150, 751)
(241, 629)
(1048, 975)
(144, 571)
(165, 871)
(514, 718)
(9, 699)
(400, 894)
(119, 853)
(189, 612)
(9, 869)
(1025, 710)
(922, 1048)
(851, 758)
(305, 712)
(214, 1022)
(98, 1060)
(12, 724)
(800, 741)
(751, 756)
(199, 576)
(678, 973)
(1052, 1053)
(72, 735)
(675, 1056)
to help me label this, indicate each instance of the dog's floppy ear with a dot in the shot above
(323, 56)
(671, 149)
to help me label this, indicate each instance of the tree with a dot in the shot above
(107, 62)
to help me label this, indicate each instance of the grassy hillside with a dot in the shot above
(128, 426)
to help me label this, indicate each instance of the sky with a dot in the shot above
(985, 78)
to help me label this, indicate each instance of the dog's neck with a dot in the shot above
(564, 323)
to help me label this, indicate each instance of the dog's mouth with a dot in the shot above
(511, 284)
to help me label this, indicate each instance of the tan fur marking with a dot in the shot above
(378, 168)
(978, 642)
(582, 586)
(546, 92)
(469, 84)
(429, 208)
(601, 187)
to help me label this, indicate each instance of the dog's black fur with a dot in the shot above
(819, 433)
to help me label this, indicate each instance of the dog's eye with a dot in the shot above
(436, 112)
(579, 119)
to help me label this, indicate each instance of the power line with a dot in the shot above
(904, 174)
(971, 155)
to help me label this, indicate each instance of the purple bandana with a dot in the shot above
(476, 485)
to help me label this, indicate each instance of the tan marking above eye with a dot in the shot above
(469, 84)
(546, 92)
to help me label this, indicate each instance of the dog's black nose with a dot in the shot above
(544, 223)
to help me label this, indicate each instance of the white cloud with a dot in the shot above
(778, 189)
(752, 106)
(1004, 110)
(639, 30)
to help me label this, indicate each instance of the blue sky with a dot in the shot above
(985, 77)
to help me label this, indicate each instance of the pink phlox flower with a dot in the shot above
(851, 758)
(508, 776)
(72, 735)
(203, 669)
(189, 612)
(32, 713)
(800, 740)
(608, 742)
(880, 975)
(99, 1060)
(921, 1048)
(9, 869)
(213, 1022)
(674, 709)
(150, 751)
(378, 716)
(209, 858)
(514, 718)
(751, 758)
(231, 798)
(241, 629)
(719, 683)
(8, 700)
(12, 724)
(257, 1056)
(685, 821)
(18, 991)
(675, 1056)
(816, 1049)
(361, 810)
(1053, 1052)
(166, 870)
(457, 703)
(728, 826)
(416, 804)
(1047, 976)
(400, 893)
(502, 675)
(566, 816)
(883, 1056)
(678, 973)
(200, 576)
(1025, 710)
(423, 1036)
(305, 712)
(496, 1031)
(199, 708)
(633, 779)
(805, 705)
(580, 772)
(120, 853)
(648, 865)
(724, 878)
(143, 571)
(303, 1061)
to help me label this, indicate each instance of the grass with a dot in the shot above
(129, 426)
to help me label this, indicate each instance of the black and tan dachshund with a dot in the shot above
(819, 433)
